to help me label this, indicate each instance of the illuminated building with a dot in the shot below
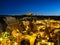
(36, 30)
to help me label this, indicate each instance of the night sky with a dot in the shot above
(42, 7)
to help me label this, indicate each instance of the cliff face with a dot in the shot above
(2, 24)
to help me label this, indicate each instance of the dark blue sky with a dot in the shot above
(44, 7)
